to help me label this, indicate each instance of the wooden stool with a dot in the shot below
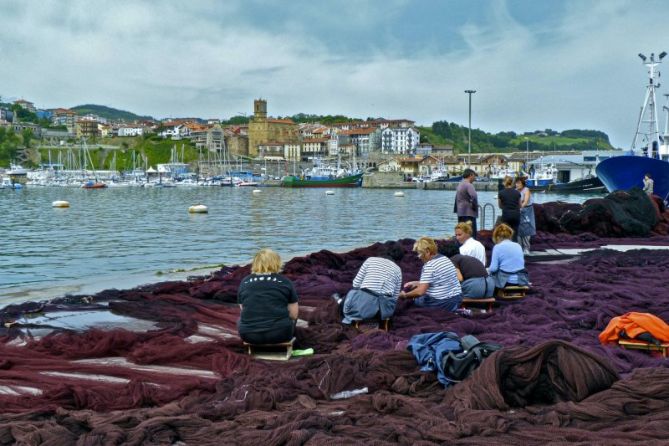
(489, 301)
(276, 352)
(513, 292)
(633, 344)
(382, 324)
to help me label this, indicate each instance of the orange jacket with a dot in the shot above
(634, 324)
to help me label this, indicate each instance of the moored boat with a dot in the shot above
(627, 171)
(93, 185)
(344, 181)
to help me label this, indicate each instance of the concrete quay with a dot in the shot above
(394, 180)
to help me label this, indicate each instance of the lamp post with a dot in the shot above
(469, 140)
(527, 154)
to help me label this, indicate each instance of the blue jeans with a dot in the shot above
(449, 304)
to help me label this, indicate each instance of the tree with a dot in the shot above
(27, 135)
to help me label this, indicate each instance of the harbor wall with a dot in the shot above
(395, 180)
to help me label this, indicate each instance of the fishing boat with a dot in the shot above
(324, 176)
(345, 181)
(542, 178)
(650, 150)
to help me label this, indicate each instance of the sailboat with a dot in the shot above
(90, 184)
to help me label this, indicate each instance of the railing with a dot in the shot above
(482, 213)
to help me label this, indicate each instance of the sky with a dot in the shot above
(534, 64)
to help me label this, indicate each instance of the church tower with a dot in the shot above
(260, 109)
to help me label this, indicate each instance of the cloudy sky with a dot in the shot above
(535, 64)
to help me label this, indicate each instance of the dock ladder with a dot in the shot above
(482, 213)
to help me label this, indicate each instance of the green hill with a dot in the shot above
(107, 112)
(443, 132)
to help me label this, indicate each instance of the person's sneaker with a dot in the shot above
(337, 298)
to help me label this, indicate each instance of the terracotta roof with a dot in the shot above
(359, 131)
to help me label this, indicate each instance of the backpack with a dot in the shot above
(459, 365)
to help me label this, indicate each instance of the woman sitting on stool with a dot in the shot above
(268, 302)
(438, 285)
(473, 277)
(507, 265)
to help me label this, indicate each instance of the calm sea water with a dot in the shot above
(123, 237)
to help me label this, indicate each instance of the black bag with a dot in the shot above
(458, 366)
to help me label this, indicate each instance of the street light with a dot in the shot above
(469, 140)
(527, 154)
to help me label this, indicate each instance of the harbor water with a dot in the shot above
(124, 237)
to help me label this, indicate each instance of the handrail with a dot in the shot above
(482, 212)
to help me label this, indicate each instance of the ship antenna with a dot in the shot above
(649, 139)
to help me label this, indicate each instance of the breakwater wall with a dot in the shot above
(395, 180)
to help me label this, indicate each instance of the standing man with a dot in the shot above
(648, 184)
(466, 200)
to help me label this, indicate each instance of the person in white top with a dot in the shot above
(468, 245)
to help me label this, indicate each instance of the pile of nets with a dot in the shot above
(619, 214)
(187, 380)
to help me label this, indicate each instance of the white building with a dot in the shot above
(130, 131)
(399, 140)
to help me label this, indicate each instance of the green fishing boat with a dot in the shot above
(309, 181)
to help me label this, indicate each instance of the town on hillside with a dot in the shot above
(42, 137)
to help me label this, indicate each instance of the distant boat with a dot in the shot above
(322, 175)
(93, 185)
(627, 171)
(591, 184)
(543, 177)
(345, 181)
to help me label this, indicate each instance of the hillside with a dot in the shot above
(107, 112)
(443, 132)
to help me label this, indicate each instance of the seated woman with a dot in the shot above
(268, 302)
(438, 285)
(468, 245)
(475, 281)
(375, 287)
(507, 264)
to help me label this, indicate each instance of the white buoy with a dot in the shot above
(256, 191)
(399, 194)
(198, 209)
(60, 204)
(329, 192)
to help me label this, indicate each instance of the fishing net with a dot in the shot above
(175, 372)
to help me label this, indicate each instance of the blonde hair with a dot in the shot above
(466, 227)
(502, 232)
(266, 261)
(425, 245)
(508, 181)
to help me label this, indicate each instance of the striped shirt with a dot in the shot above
(440, 273)
(379, 275)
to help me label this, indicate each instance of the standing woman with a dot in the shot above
(527, 227)
(268, 301)
(509, 201)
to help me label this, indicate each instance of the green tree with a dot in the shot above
(27, 135)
